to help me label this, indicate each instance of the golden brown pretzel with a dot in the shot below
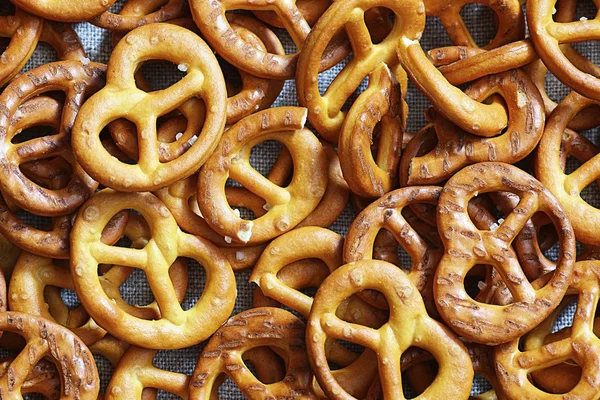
(461, 64)
(165, 10)
(311, 10)
(288, 206)
(136, 371)
(77, 81)
(567, 188)
(64, 39)
(45, 339)
(250, 329)
(203, 79)
(65, 10)
(456, 148)
(168, 242)
(379, 104)
(386, 213)
(44, 379)
(214, 25)
(548, 35)
(408, 326)
(466, 246)
(24, 31)
(578, 343)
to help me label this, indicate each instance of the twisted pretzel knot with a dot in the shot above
(65, 11)
(78, 81)
(548, 34)
(408, 326)
(120, 98)
(136, 372)
(78, 373)
(466, 246)
(211, 19)
(24, 31)
(250, 329)
(167, 243)
(579, 343)
(138, 13)
(456, 148)
(288, 206)
(379, 103)
(567, 188)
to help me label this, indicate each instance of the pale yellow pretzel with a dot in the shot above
(408, 326)
(176, 328)
(120, 98)
(288, 206)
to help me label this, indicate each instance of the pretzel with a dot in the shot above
(78, 81)
(231, 159)
(466, 246)
(65, 11)
(311, 11)
(408, 326)
(379, 103)
(136, 372)
(110, 348)
(202, 80)
(456, 148)
(578, 343)
(509, 20)
(24, 31)
(548, 35)
(214, 25)
(174, 328)
(460, 64)
(250, 329)
(165, 10)
(64, 39)
(43, 379)
(78, 373)
(567, 188)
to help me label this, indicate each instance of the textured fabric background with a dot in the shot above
(97, 43)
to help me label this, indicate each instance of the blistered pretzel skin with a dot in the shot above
(136, 372)
(408, 326)
(120, 98)
(548, 35)
(386, 213)
(24, 31)
(257, 327)
(379, 103)
(65, 10)
(167, 10)
(510, 20)
(578, 343)
(44, 339)
(466, 246)
(78, 82)
(568, 188)
(210, 18)
(456, 148)
(288, 206)
(174, 328)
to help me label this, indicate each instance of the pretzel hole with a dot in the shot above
(434, 36)
(33, 132)
(352, 350)
(233, 79)
(69, 298)
(159, 75)
(35, 221)
(195, 284)
(265, 364)
(585, 9)
(481, 385)
(261, 158)
(419, 370)
(136, 290)
(481, 22)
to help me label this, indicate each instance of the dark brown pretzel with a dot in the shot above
(64, 39)
(456, 148)
(78, 81)
(466, 246)
(24, 30)
(250, 329)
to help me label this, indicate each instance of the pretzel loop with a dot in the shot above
(407, 326)
(466, 246)
(24, 30)
(169, 9)
(155, 258)
(122, 99)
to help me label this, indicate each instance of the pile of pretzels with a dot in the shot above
(126, 177)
